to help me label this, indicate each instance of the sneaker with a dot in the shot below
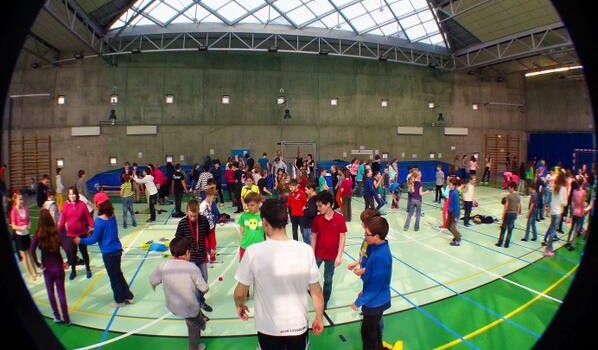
(123, 304)
(498, 244)
(134, 224)
(129, 301)
(455, 243)
(72, 275)
(207, 307)
(88, 274)
(549, 253)
(57, 320)
(543, 244)
(534, 239)
(524, 239)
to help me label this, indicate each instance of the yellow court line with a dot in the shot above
(98, 274)
(510, 314)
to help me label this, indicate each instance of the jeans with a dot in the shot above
(306, 232)
(119, 285)
(507, 224)
(531, 222)
(296, 225)
(414, 205)
(152, 205)
(128, 207)
(203, 268)
(328, 276)
(467, 205)
(551, 233)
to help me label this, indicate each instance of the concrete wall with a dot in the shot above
(198, 122)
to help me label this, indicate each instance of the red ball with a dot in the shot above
(219, 278)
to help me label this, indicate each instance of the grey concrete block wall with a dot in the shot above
(198, 122)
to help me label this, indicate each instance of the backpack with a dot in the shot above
(487, 219)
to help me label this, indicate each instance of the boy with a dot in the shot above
(510, 211)
(363, 251)
(296, 201)
(150, 189)
(309, 211)
(205, 209)
(328, 239)
(182, 279)
(532, 213)
(250, 223)
(375, 296)
(454, 208)
(248, 187)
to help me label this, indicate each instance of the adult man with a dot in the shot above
(328, 232)
(282, 271)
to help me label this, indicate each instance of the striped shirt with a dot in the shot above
(126, 189)
(197, 236)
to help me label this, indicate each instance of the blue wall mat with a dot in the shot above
(555, 147)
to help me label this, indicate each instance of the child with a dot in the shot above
(532, 213)
(454, 207)
(150, 189)
(510, 211)
(51, 205)
(395, 192)
(250, 223)
(362, 259)
(182, 280)
(468, 194)
(59, 190)
(345, 189)
(106, 233)
(445, 194)
(309, 211)
(126, 194)
(205, 209)
(20, 223)
(296, 201)
(49, 242)
(375, 296)
(248, 187)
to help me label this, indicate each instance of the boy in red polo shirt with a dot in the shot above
(328, 232)
(296, 201)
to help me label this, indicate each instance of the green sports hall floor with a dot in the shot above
(509, 309)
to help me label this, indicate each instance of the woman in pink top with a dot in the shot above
(20, 223)
(473, 166)
(78, 223)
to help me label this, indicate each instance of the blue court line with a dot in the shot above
(429, 315)
(106, 331)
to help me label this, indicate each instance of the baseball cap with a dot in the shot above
(100, 198)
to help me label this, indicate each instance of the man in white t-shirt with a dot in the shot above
(282, 271)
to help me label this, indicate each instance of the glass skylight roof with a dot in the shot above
(406, 19)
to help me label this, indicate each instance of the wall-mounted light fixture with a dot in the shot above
(384, 103)
(280, 100)
(475, 106)
(431, 105)
(169, 99)
(60, 162)
(169, 158)
(225, 99)
(334, 101)
(113, 99)
(61, 99)
(113, 161)
(135, 50)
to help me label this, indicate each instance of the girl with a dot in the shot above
(46, 237)
(78, 222)
(414, 204)
(126, 194)
(20, 223)
(106, 233)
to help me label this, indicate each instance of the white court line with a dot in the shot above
(112, 340)
(484, 270)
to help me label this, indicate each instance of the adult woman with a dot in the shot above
(106, 233)
(78, 223)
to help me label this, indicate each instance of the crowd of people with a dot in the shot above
(267, 194)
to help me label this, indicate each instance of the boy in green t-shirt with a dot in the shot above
(250, 223)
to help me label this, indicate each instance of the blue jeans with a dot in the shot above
(128, 207)
(328, 276)
(531, 222)
(306, 232)
(507, 225)
(203, 268)
(551, 233)
(414, 205)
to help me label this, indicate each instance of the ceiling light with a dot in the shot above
(553, 70)
(225, 99)
(169, 99)
(383, 58)
(323, 52)
(273, 49)
(202, 48)
(135, 50)
(384, 103)
(61, 99)
(334, 101)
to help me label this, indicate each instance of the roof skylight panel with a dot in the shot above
(362, 23)
(214, 4)
(250, 5)
(354, 11)
(301, 15)
(319, 7)
(231, 11)
(162, 12)
(287, 5)
(194, 14)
